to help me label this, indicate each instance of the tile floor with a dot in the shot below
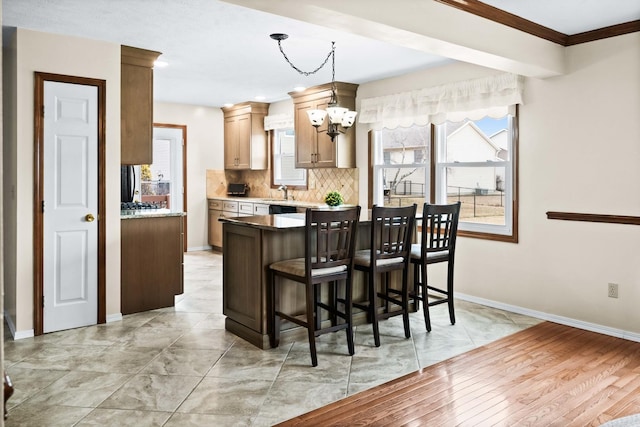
(179, 367)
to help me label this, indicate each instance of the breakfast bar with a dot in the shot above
(250, 245)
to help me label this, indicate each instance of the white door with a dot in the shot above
(70, 202)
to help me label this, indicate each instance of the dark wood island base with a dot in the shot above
(250, 245)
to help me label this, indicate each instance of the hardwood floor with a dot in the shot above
(547, 375)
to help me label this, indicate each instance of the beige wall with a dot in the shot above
(579, 152)
(204, 151)
(60, 55)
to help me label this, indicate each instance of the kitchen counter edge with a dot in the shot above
(139, 214)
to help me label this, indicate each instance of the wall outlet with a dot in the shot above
(613, 290)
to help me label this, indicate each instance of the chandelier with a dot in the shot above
(339, 117)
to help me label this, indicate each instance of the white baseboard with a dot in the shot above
(199, 248)
(114, 317)
(593, 327)
(17, 335)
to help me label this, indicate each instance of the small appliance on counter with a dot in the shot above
(237, 190)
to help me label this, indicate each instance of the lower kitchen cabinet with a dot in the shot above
(215, 228)
(152, 262)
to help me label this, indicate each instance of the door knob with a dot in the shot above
(89, 218)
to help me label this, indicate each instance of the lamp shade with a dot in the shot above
(316, 117)
(349, 119)
(336, 113)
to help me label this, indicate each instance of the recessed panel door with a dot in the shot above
(70, 208)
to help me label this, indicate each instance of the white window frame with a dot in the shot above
(508, 231)
(379, 165)
(277, 157)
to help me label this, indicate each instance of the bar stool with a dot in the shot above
(329, 253)
(437, 244)
(391, 235)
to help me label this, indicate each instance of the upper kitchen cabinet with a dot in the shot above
(136, 109)
(245, 140)
(314, 148)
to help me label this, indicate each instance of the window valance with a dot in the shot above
(278, 121)
(487, 96)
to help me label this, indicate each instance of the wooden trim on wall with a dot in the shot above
(503, 17)
(38, 194)
(608, 219)
(603, 33)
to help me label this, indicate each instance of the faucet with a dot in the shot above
(286, 191)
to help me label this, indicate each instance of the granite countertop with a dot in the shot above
(270, 201)
(148, 213)
(285, 221)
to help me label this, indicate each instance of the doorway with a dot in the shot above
(69, 202)
(165, 181)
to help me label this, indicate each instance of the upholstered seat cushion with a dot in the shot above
(363, 257)
(416, 252)
(296, 267)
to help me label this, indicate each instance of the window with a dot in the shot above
(475, 164)
(284, 160)
(401, 166)
(473, 161)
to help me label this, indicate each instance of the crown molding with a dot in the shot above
(500, 16)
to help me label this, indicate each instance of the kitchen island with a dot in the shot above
(250, 245)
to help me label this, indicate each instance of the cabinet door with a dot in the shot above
(325, 149)
(215, 228)
(151, 263)
(306, 136)
(231, 138)
(260, 209)
(244, 142)
(136, 115)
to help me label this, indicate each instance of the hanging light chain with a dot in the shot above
(308, 73)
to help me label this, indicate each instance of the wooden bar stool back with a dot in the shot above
(330, 236)
(390, 246)
(437, 244)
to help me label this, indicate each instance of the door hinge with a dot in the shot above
(43, 206)
(43, 301)
(43, 111)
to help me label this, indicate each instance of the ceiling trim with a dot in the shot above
(500, 16)
(603, 33)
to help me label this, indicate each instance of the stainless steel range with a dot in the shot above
(132, 206)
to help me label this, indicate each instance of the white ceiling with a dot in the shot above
(221, 53)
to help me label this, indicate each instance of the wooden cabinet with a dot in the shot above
(152, 263)
(215, 228)
(314, 148)
(245, 140)
(243, 293)
(219, 208)
(136, 105)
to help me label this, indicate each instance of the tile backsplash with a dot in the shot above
(320, 182)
